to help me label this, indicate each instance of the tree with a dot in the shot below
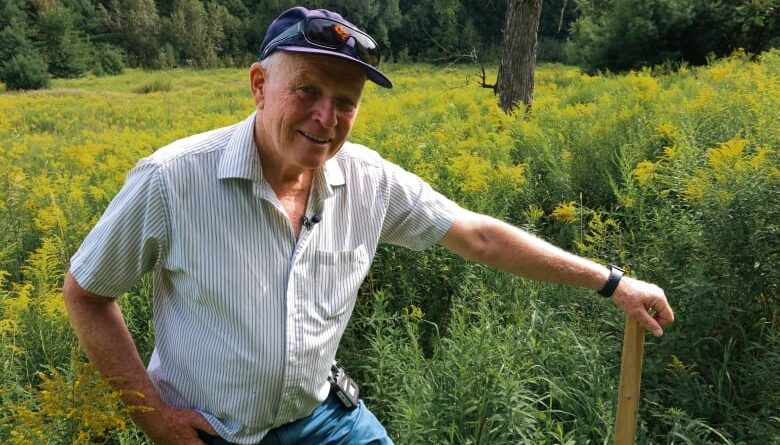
(66, 50)
(518, 54)
(629, 34)
(135, 26)
(196, 32)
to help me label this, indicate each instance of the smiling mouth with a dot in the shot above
(314, 138)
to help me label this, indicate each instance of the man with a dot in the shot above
(259, 236)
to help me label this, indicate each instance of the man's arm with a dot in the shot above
(103, 334)
(494, 243)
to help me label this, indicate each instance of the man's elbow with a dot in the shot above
(472, 239)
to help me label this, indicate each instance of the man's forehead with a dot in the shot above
(324, 68)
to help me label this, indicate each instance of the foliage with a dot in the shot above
(108, 60)
(628, 34)
(66, 50)
(24, 72)
(631, 34)
(77, 36)
(135, 26)
(671, 174)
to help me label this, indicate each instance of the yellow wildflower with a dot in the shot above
(565, 212)
(723, 157)
(644, 172)
(626, 201)
(533, 213)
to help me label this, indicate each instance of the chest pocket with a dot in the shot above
(339, 275)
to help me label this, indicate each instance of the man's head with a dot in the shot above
(319, 31)
(307, 87)
(306, 107)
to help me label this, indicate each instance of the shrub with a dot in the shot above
(25, 72)
(154, 86)
(108, 60)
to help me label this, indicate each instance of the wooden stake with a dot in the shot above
(630, 378)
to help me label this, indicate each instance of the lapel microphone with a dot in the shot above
(310, 222)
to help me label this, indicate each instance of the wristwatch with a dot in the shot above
(615, 274)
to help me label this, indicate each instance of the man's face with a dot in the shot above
(306, 107)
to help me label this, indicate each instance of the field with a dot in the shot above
(674, 175)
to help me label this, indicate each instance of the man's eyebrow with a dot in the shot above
(355, 93)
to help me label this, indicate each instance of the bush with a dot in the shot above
(630, 34)
(108, 60)
(154, 86)
(25, 72)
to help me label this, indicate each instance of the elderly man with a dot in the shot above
(259, 236)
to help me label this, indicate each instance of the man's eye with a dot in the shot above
(347, 104)
(306, 91)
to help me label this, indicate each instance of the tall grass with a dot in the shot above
(674, 175)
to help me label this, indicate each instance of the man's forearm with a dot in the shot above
(495, 243)
(500, 245)
(103, 334)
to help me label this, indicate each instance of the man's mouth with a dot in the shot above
(314, 138)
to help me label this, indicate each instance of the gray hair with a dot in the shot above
(272, 63)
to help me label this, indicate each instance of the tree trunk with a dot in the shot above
(518, 54)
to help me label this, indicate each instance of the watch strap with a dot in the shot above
(615, 274)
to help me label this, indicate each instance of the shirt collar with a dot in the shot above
(241, 160)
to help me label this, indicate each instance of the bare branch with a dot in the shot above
(560, 19)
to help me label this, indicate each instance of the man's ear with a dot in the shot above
(257, 79)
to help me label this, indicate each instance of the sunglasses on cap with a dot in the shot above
(330, 34)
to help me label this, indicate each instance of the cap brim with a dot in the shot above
(373, 74)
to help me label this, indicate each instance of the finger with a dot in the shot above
(200, 423)
(665, 315)
(649, 323)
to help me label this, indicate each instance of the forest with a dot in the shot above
(41, 39)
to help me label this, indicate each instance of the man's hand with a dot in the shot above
(101, 330)
(646, 302)
(174, 426)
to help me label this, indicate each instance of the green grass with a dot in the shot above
(674, 175)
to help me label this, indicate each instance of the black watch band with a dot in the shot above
(615, 274)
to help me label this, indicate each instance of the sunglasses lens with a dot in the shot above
(366, 49)
(333, 34)
(327, 32)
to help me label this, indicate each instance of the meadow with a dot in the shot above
(672, 174)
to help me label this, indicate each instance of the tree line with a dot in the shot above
(68, 38)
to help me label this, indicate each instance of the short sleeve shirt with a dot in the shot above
(248, 318)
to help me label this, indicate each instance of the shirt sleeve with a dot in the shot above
(129, 239)
(417, 216)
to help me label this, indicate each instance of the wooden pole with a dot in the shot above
(630, 378)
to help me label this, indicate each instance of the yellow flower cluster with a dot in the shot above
(84, 401)
(729, 169)
(565, 212)
(702, 135)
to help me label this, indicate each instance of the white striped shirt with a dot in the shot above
(248, 318)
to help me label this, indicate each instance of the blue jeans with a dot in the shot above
(329, 424)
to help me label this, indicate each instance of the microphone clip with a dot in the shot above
(310, 222)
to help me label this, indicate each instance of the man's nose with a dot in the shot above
(325, 112)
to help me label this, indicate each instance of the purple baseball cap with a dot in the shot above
(297, 42)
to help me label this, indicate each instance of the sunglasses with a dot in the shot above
(330, 34)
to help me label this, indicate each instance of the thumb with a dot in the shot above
(200, 423)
